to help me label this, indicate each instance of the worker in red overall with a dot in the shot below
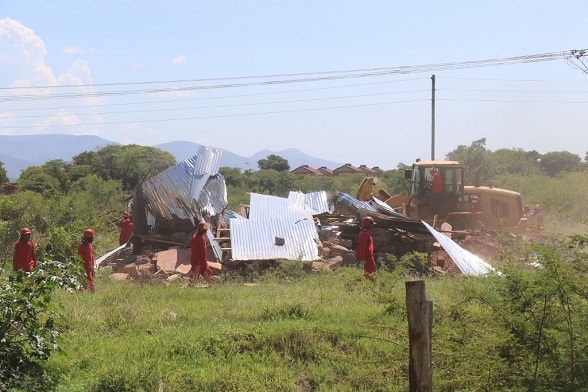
(365, 247)
(24, 252)
(86, 252)
(126, 228)
(436, 191)
(200, 267)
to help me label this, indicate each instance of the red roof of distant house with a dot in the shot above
(346, 168)
(305, 169)
(325, 170)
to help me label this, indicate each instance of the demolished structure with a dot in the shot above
(311, 228)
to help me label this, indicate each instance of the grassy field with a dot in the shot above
(298, 331)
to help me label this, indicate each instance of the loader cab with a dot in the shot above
(451, 199)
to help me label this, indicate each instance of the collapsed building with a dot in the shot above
(312, 228)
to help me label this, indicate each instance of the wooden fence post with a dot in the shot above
(420, 328)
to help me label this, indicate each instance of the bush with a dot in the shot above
(28, 334)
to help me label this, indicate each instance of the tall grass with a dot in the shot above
(295, 331)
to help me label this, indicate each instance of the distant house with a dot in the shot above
(369, 172)
(378, 170)
(325, 171)
(347, 168)
(306, 170)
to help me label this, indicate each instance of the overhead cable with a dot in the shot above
(321, 76)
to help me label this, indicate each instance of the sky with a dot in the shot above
(345, 81)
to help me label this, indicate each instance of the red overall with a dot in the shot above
(86, 252)
(126, 230)
(24, 256)
(365, 251)
(198, 257)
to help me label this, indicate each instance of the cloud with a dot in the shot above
(23, 55)
(72, 50)
(179, 59)
(22, 60)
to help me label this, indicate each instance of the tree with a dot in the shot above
(36, 179)
(514, 161)
(274, 162)
(394, 181)
(472, 158)
(556, 162)
(130, 164)
(3, 174)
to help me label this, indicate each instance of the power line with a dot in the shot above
(518, 80)
(331, 75)
(227, 106)
(224, 96)
(513, 91)
(224, 115)
(509, 101)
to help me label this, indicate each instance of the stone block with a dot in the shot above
(173, 278)
(143, 260)
(335, 262)
(338, 249)
(215, 267)
(184, 269)
(349, 259)
(346, 243)
(119, 276)
(130, 269)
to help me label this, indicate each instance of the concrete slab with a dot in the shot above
(169, 260)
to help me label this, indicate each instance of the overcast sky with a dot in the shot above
(251, 75)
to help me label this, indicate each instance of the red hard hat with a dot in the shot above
(88, 233)
(368, 221)
(202, 226)
(24, 231)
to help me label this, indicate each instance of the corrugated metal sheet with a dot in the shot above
(316, 201)
(207, 163)
(266, 206)
(108, 255)
(385, 208)
(384, 218)
(350, 201)
(253, 239)
(169, 195)
(468, 263)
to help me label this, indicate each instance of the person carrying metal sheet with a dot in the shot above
(86, 252)
(198, 262)
(24, 258)
(365, 247)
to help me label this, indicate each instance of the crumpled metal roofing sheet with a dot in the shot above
(468, 263)
(266, 206)
(316, 201)
(207, 163)
(168, 195)
(253, 239)
(380, 205)
(352, 201)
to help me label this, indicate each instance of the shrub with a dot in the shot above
(28, 334)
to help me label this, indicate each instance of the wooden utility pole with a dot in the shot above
(433, 118)
(420, 332)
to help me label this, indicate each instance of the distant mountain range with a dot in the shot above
(19, 152)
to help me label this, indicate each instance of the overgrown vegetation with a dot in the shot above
(292, 330)
(28, 326)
